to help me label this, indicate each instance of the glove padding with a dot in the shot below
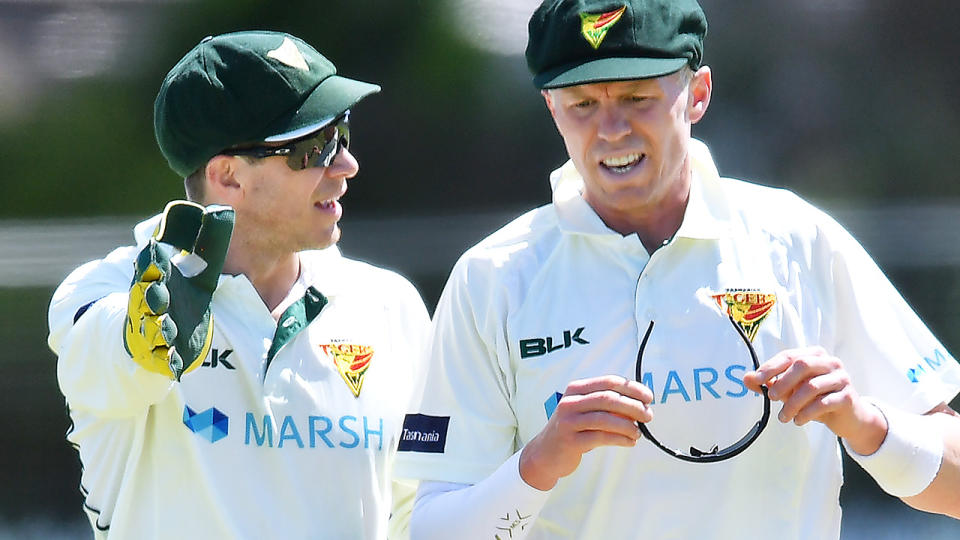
(169, 327)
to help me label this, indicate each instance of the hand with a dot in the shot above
(169, 327)
(814, 386)
(600, 411)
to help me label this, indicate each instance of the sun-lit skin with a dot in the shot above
(629, 141)
(279, 212)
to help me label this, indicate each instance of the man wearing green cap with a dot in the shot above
(232, 375)
(606, 366)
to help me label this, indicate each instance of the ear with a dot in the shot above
(549, 100)
(223, 186)
(701, 88)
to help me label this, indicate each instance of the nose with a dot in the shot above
(613, 125)
(344, 165)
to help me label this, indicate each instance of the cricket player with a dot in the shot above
(662, 352)
(232, 375)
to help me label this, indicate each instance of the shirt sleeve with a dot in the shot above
(888, 351)
(501, 506)
(463, 427)
(86, 317)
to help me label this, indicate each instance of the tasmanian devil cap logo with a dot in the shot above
(594, 26)
(289, 54)
(352, 362)
(747, 307)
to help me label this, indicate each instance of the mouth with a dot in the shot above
(622, 164)
(333, 202)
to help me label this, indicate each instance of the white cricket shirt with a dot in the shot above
(260, 442)
(557, 296)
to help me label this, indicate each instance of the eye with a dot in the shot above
(638, 99)
(583, 103)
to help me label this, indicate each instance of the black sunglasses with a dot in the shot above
(714, 454)
(315, 150)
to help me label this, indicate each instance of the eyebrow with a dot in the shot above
(628, 87)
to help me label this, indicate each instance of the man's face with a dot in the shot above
(283, 210)
(628, 139)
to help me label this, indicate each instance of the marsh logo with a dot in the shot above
(550, 405)
(927, 366)
(210, 424)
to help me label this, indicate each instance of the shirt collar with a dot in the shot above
(705, 216)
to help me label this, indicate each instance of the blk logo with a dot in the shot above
(541, 346)
(210, 424)
(218, 358)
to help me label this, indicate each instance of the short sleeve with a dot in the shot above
(888, 351)
(463, 426)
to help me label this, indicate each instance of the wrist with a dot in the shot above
(531, 473)
(909, 457)
(869, 433)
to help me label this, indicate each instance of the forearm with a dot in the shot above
(919, 459)
(94, 371)
(942, 496)
(502, 504)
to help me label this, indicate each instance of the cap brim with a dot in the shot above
(608, 69)
(329, 99)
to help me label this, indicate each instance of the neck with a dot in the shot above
(657, 221)
(272, 274)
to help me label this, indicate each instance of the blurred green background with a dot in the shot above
(851, 103)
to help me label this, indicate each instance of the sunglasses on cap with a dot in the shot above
(315, 150)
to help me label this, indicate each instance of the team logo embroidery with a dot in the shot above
(594, 27)
(289, 54)
(747, 307)
(352, 362)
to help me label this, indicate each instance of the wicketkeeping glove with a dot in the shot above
(169, 327)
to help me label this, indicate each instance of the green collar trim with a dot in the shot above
(294, 319)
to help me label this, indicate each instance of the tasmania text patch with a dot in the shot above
(424, 433)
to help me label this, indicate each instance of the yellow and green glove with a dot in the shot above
(169, 327)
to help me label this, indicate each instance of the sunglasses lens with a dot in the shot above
(321, 149)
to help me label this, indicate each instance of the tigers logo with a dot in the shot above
(747, 307)
(352, 362)
(595, 26)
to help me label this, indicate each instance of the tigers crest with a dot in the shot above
(747, 307)
(352, 362)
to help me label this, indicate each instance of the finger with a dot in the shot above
(605, 422)
(802, 369)
(151, 264)
(175, 363)
(807, 396)
(606, 401)
(768, 370)
(588, 440)
(616, 383)
(156, 296)
(213, 240)
(180, 224)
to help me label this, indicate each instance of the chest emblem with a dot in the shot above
(747, 307)
(352, 362)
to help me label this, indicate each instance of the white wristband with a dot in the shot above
(909, 458)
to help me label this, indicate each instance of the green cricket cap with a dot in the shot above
(585, 41)
(242, 87)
